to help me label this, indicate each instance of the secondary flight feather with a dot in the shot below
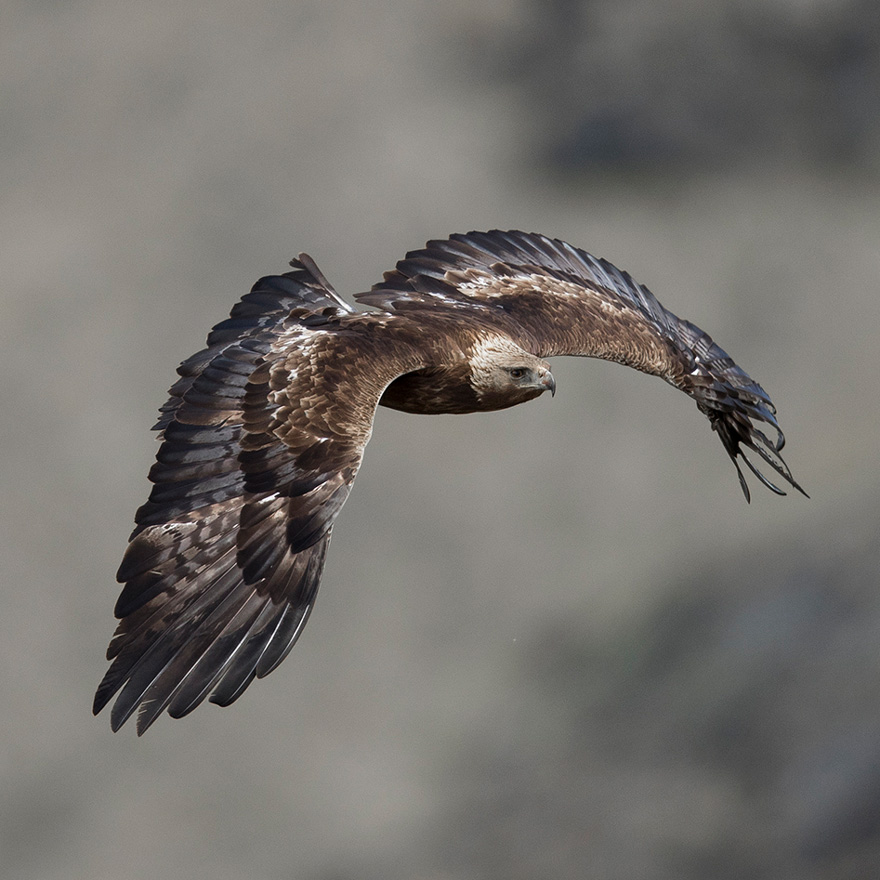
(264, 432)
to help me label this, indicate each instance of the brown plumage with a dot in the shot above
(264, 432)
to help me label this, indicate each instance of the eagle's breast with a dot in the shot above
(433, 391)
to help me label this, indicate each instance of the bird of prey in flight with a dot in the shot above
(264, 431)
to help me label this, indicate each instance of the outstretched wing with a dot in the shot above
(261, 439)
(555, 299)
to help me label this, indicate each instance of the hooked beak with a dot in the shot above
(549, 383)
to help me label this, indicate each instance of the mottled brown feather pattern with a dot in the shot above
(264, 432)
(556, 299)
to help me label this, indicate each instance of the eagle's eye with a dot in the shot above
(518, 372)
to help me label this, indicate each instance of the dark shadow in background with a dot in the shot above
(732, 733)
(607, 86)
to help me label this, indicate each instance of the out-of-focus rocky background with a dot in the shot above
(552, 642)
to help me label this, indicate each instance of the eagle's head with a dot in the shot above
(502, 374)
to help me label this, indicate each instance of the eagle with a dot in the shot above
(264, 432)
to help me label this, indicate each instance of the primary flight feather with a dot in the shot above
(264, 432)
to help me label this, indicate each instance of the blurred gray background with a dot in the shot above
(552, 642)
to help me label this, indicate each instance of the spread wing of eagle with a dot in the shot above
(264, 431)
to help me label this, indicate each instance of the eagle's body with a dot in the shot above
(264, 433)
